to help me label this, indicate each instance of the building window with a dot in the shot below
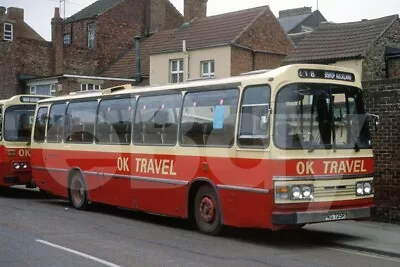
(208, 69)
(43, 89)
(91, 34)
(67, 39)
(176, 71)
(8, 32)
(90, 87)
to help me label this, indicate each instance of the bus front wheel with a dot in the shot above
(207, 211)
(78, 192)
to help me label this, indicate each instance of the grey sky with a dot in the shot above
(38, 13)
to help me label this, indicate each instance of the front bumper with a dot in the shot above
(293, 218)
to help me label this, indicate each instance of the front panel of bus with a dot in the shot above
(322, 151)
(16, 124)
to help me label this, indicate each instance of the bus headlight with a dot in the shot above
(294, 192)
(17, 165)
(24, 165)
(307, 191)
(364, 188)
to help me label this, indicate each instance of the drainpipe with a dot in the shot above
(187, 60)
(138, 70)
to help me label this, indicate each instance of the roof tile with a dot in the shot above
(332, 41)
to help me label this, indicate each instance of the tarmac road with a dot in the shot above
(37, 231)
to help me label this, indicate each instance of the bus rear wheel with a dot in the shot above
(78, 192)
(207, 211)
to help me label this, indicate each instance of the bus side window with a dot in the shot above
(156, 119)
(56, 123)
(114, 121)
(209, 118)
(255, 117)
(79, 122)
(40, 125)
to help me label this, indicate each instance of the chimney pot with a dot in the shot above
(57, 13)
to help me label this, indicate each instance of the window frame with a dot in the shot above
(86, 85)
(167, 93)
(215, 89)
(210, 74)
(45, 126)
(67, 39)
(32, 89)
(177, 72)
(239, 123)
(50, 108)
(64, 134)
(133, 99)
(91, 35)
(8, 35)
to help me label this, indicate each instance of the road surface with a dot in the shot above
(38, 231)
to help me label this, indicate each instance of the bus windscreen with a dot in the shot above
(18, 122)
(321, 116)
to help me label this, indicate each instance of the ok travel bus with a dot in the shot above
(16, 119)
(269, 149)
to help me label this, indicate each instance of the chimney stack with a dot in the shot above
(195, 9)
(295, 12)
(57, 38)
(157, 14)
(2, 11)
(15, 13)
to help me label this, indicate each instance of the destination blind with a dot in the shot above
(326, 74)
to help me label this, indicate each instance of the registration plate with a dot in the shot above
(335, 216)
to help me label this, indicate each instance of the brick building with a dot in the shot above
(203, 47)
(23, 52)
(370, 47)
(383, 98)
(81, 46)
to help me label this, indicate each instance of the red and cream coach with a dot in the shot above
(271, 149)
(16, 119)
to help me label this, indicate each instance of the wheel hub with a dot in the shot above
(207, 209)
(77, 192)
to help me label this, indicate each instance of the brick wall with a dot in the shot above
(266, 34)
(383, 98)
(22, 56)
(267, 61)
(241, 60)
(374, 67)
(8, 70)
(115, 32)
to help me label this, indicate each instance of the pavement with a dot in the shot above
(373, 237)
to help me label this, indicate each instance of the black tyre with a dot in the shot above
(78, 192)
(207, 212)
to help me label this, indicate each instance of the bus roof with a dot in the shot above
(23, 99)
(278, 76)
